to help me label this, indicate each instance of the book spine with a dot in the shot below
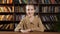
(53, 1)
(10, 1)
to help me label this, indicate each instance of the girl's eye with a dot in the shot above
(31, 9)
(28, 9)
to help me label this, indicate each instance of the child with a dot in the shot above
(30, 22)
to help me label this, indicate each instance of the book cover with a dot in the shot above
(2, 17)
(46, 1)
(1, 9)
(56, 9)
(37, 9)
(7, 26)
(52, 1)
(5, 9)
(40, 1)
(11, 26)
(9, 9)
(25, 1)
(13, 9)
(1, 1)
(10, 1)
(20, 1)
(43, 1)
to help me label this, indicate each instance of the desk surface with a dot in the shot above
(30, 33)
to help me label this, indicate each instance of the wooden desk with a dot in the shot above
(30, 33)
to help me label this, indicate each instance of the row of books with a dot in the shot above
(37, 1)
(6, 8)
(19, 9)
(25, 1)
(49, 26)
(7, 26)
(49, 1)
(49, 18)
(19, 17)
(22, 9)
(30, 1)
(45, 9)
(51, 9)
(6, 1)
(6, 17)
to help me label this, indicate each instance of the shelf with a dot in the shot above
(49, 13)
(42, 21)
(6, 4)
(49, 4)
(23, 13)
(18, 13)
(6, 13)
(11, 13)
(38, 4)
(33, 4)
(6, 22)
(6, 29)
(23, 4)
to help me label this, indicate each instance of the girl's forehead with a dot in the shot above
(29, 7)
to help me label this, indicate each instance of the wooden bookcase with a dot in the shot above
(40, 13)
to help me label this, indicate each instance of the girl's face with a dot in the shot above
(30, 10)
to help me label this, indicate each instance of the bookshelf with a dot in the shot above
(46, 9)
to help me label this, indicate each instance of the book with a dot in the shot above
(2, 17)
(46, 1)
(7, 2)
(18, 17)
(47, 27)
(13, 8)
(56, 19)
(43, 18)
(52, 18)
(7, 17)
(1, 9)
(1, 25)
(9, 9)
(50, 9)
(57, 1)
(7, 26)
(10, 18)
(17, 9)
(43, 1)
(22, 9)
(37, 9)
(40, 1)
(11, 26)
(59, 9)
(17, 1)
(52, 1)
(24, 1)
(4, 25)
(32, 1)
(5, 9)
(45, 9)
(1, 1)
(10, 1)
(20, 1)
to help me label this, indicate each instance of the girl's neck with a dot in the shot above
(31, 18)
